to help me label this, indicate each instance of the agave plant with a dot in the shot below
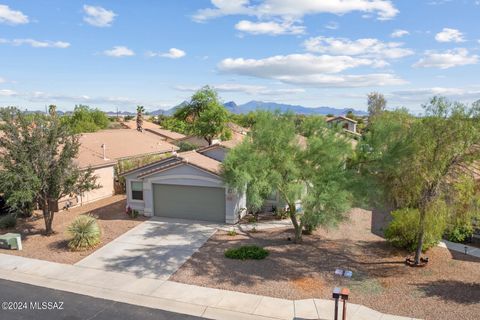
(84, 232)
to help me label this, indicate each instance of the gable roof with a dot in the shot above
(340, 118)
(119, 144)
(192, 158)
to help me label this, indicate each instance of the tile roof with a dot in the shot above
(132, 124)
(166, 133)
(330, 119)
(190, 157)
(119, 144)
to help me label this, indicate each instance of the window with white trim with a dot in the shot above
(137, 190)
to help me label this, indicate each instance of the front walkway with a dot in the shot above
(171, 296)
(154, 249)
(459, 247)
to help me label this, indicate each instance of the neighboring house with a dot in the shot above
(103, 149)
(347, 124)
(186, 186)
(167, 135)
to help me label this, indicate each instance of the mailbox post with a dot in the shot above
(340, 294)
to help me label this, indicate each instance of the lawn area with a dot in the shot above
(448, 288)
(111, 217)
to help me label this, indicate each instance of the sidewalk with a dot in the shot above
(459, 247)
(172, 296)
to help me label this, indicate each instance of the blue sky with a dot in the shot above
(112, 54)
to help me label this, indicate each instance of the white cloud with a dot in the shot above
(296, 9)
(13, 17)
(449, 35)
(361, 47)
(36, 43)
(98, 16)
(119, 51)
(399, 33)
(269, 28)
(245, 88)
(2, 80)
(173, 53)
(309, 69)
(447, 59)
(423, 94)
(7, 93)
(332, 25)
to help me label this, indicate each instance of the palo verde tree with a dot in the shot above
(37, 161)
(415, 162)
(273, 158)
(206, 115)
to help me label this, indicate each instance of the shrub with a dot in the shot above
(132, 213)
(85, 233)
(8, 221)
(403, 231)
(232, 233)
(186, 146)
(246, 252)
(460, 233)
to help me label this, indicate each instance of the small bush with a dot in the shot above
(246, 252)
(402, 232)
(85, 233)
(186, 146)
(232, 233)
(132, 213)
(8, 221)
(281, 214)
(460, 233)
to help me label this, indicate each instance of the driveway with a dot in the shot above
(153, 249)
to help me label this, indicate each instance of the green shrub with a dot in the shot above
(84, 232)
(8, 221)
(232, 233)
(186, 146)
(402, 232)
(246, 252)
(460, 233)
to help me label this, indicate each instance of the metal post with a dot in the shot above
(344, 315)
(336, 309)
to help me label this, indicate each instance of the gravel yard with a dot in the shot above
(111, 217)
(448, 288)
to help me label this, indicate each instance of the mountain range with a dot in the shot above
(272, 106)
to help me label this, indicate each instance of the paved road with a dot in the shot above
(75, 306)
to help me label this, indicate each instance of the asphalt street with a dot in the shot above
(26, 302)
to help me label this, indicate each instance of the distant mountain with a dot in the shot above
(271, 106)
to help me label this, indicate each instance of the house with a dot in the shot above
(347, 124)
(187, 185)
(102, 150)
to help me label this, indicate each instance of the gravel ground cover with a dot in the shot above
(111, 217)
(448, 288)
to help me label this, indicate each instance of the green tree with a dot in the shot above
(37, 163)
(275, 159)
(414, 162)
(206, 115)
(84, 119)
(376, 103)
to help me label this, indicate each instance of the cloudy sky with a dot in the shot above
(311, 52)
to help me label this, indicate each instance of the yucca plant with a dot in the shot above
(84, 232)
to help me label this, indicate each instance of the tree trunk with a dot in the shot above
(297, 226)
(48, 218)
(421, 237)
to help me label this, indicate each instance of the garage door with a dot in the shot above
(189, 202)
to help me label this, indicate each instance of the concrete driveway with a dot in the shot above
(153, 249)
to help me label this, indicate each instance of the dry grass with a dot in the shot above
(448, 288)
(111, 217)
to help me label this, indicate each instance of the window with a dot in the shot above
(137, 190)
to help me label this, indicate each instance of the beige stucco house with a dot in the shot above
(103, 149)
